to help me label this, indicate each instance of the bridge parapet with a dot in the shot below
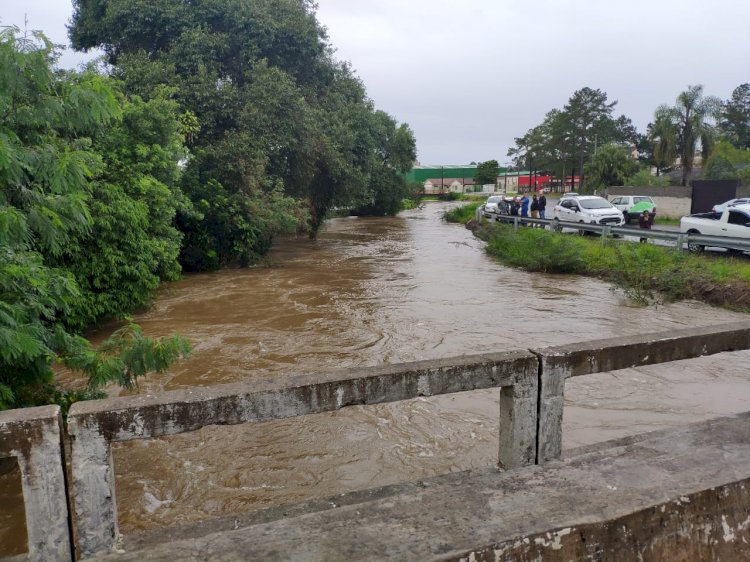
(95, 425)
(32, 436)
(531, 386)
(557, 364)
(678, 494)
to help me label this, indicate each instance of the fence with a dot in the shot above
(693, 242)
(531, 385)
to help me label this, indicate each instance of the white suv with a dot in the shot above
(588, 209)
(491, 205)
(626, 202)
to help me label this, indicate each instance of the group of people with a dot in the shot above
(522, 206)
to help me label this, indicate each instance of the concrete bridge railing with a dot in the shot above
(95, 425)
(33, 437)
(531, 385)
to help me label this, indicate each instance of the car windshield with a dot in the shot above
(493, 200)
(594, 203)
(639, 199)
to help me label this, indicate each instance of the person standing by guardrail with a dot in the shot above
(542, 205)
(535, 207)
(525, 205)
(646, 220)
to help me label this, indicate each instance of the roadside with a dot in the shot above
(646, 273)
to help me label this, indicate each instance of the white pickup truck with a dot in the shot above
(732, 222)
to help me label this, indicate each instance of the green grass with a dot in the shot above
(646, 273)
(462, 214)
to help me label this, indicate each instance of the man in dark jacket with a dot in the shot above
(646, 220)
(542, 205)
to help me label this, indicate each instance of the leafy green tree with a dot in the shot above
(734, 122)
(46, 168)
(611, 165)
(719, 167)
(644, 178)
(663, 134)
(486, 172)
(393, 156)
(727, 162)
(285, 132)
(132, 245)
(568, 137)
(691, 117)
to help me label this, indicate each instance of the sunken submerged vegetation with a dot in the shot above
(210, 128)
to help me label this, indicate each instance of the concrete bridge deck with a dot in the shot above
(468, 515)
(675, 495)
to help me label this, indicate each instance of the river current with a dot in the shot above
(387, 290)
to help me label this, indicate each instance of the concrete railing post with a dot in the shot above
(518, 421)
(94, 498)
(33, 437)
(551, 404)
(562, 362)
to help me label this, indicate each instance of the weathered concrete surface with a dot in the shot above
(561, 362)
(169, 413)
(674, 495)
(94, 425)
(33, 437)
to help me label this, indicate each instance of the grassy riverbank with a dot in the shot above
(645, 272)
(462, 214)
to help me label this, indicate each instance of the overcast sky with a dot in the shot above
(470, 75)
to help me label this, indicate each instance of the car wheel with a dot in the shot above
(694, 246)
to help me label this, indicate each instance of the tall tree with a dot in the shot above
(735, 117)
(486, 172)
(663, 135)
(46, 169)
(132, 245)
(692, 117)
(567, 138)
(282, 125)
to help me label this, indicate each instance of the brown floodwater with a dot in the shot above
(387, 290)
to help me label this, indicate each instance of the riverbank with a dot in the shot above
(646, 273)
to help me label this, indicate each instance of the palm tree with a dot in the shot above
(663, 134)
(691, 118)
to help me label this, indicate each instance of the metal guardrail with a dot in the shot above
(679, 239)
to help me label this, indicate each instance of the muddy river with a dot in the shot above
(371, 291)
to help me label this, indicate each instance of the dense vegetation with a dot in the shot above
(645, 272)
(217, 126)
(587, 139)
(281, 132)
(68, 225)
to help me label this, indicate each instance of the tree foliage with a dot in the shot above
(486, 172)
(734, 122)
(611, 165)
(285, 132)
(47, 166)
(132, 245)
(663, 135)
(728, 162)
(567, 138)
(691, 118)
